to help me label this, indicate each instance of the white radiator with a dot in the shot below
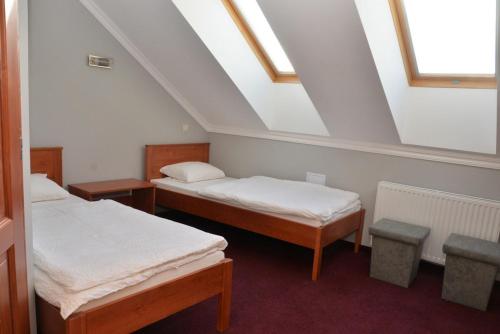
(444, 213)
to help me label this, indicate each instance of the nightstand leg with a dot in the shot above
(144, 199)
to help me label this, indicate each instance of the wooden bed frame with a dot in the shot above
(135, 311)
(315, 238)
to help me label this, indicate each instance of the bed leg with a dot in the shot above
(224, 307)
(359, 231)
(318, 254)
(76, 324)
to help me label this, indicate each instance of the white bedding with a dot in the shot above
(54, 293)
(91, 249)
(296, 198)
(193, 189)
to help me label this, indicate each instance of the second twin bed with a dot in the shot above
(304, 214)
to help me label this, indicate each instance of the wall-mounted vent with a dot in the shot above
(103, 62)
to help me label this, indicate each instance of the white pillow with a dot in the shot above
(44, 189)
(192, 171)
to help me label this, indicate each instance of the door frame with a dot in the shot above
(10, 122)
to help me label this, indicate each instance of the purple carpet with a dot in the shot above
(273, 293)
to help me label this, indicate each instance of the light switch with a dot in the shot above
(316, 178)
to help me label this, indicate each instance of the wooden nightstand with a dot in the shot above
(132, 192)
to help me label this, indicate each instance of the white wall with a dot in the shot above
(452, 118)
(102, 118)
(345, 169)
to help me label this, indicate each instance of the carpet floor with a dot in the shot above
(273, 293)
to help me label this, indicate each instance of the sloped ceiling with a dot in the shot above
(284, 107)
(323, 39)
(454, 118)
(164, 37)
(326, 43)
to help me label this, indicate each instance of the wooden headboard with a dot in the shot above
(47, 160)
(158, 156)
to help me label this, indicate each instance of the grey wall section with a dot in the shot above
(334, 62)
(350, 170)
(102, 118)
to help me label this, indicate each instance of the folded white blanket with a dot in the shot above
(81, 245)
(69, 302)
(301, 199)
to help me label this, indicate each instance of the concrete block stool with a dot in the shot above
(470, 270)
(396, 251)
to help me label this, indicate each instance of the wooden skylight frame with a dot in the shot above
(275, 75)
(416, 79)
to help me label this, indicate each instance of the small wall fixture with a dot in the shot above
(102, 62)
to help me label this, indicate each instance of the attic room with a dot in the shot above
(249, 166)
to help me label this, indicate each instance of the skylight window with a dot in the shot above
(256, 29)
(447, 43)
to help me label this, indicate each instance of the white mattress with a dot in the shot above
(192, 189)
(84, 251)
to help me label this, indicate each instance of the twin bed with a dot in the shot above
(102, 267)
(308, 231)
